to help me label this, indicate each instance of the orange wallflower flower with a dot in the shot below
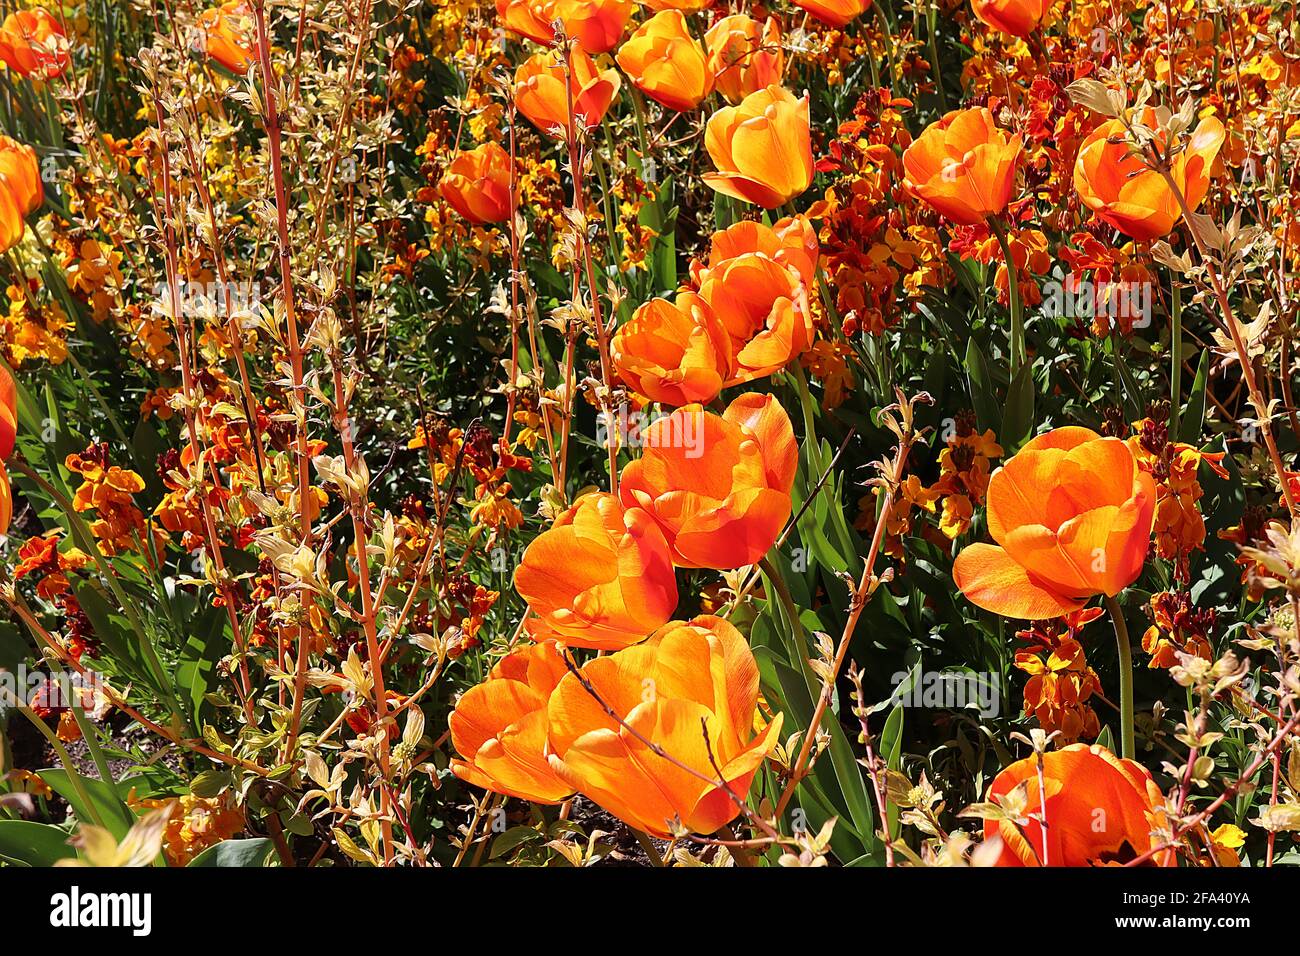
(1118, 187)
(963, 166)
(837, 13)
(673, 352)
(744, 56)
(1071, 514)
(601, 577)
(1017, 18)
(499, 727)
(691, 690)
(33, 42)
(1100, 810)
(666, 63)
(109, 491)
(226, 32)
(543, 86)
(477, 184)
(762, 149)
(718, 486)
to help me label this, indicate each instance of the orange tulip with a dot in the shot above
(744, 55)
(499, 727)
(542, 91)
(1100, 810)
(687, 6)
(718, 486)
(227, 35)
(1117, 186)
(597, 25)
(666, 63)
(762, 305)
(6, 501)
(1017, 18)
(791, 241)
(963, 166)
(762, 148)
(477, 184)
(32, 42)
(8, 413)
(20, 175)
(690, 690)
(527, 18)
(1072, 515)
(837, 13)
(673, 352)
(601, 577)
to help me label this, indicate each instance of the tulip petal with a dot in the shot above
(990, 579)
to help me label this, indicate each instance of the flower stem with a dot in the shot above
(1125, 678)
(1013, 295)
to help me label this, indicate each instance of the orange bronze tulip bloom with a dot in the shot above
(597, 25)
(666, 63)
(762, 148)
(20, 175)
(527, 18)
(718, 486)
(690, 679)
(744, 56)
(1017, 18)
(227, 35)
(499, 727)
(8, 414)
(477, 184)
(762, 305)
(1100, 810)
(542, 91)
(791, 241)
(32, 42)
(673, 352)
(837, 13)
(601, 577)
(1119, 188)
(963, 166)
(1072, 515)
(687, 6)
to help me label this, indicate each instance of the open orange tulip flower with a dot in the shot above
(744, 55)
(21, 192)
(477, 184)
(673, 352)
(666, 63)
(762, 149)
(763, 307)
(791, 241)
(837, 13)
(227, 32)
(597, 25)
(542, 91)
(528, 18)
(601, 577)
(32, 42)
(1116, 184)
(964, 166)
(8, 413)
(690, 690)
(718, 486)
(1100, 811)
(1072, 516)
(499, 727)
(1017, 18)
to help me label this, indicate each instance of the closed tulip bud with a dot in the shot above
(762, 305)
(32, 43)
(499, 727)
(691, 692)
(963, 166)
(1017, 18)
(673, 352)
(542, 91)
(226, 32)
(1072, 515)
(762, 149)
(1100, 810)
(477, 184)
(20, 174)
(718, 486)
(837, 13)
(601, 577)
(666, 63)
(745, 56)
(1117, 186)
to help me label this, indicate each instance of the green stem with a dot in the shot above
(1125, 678)
(1175, 361)
(1013, 294)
